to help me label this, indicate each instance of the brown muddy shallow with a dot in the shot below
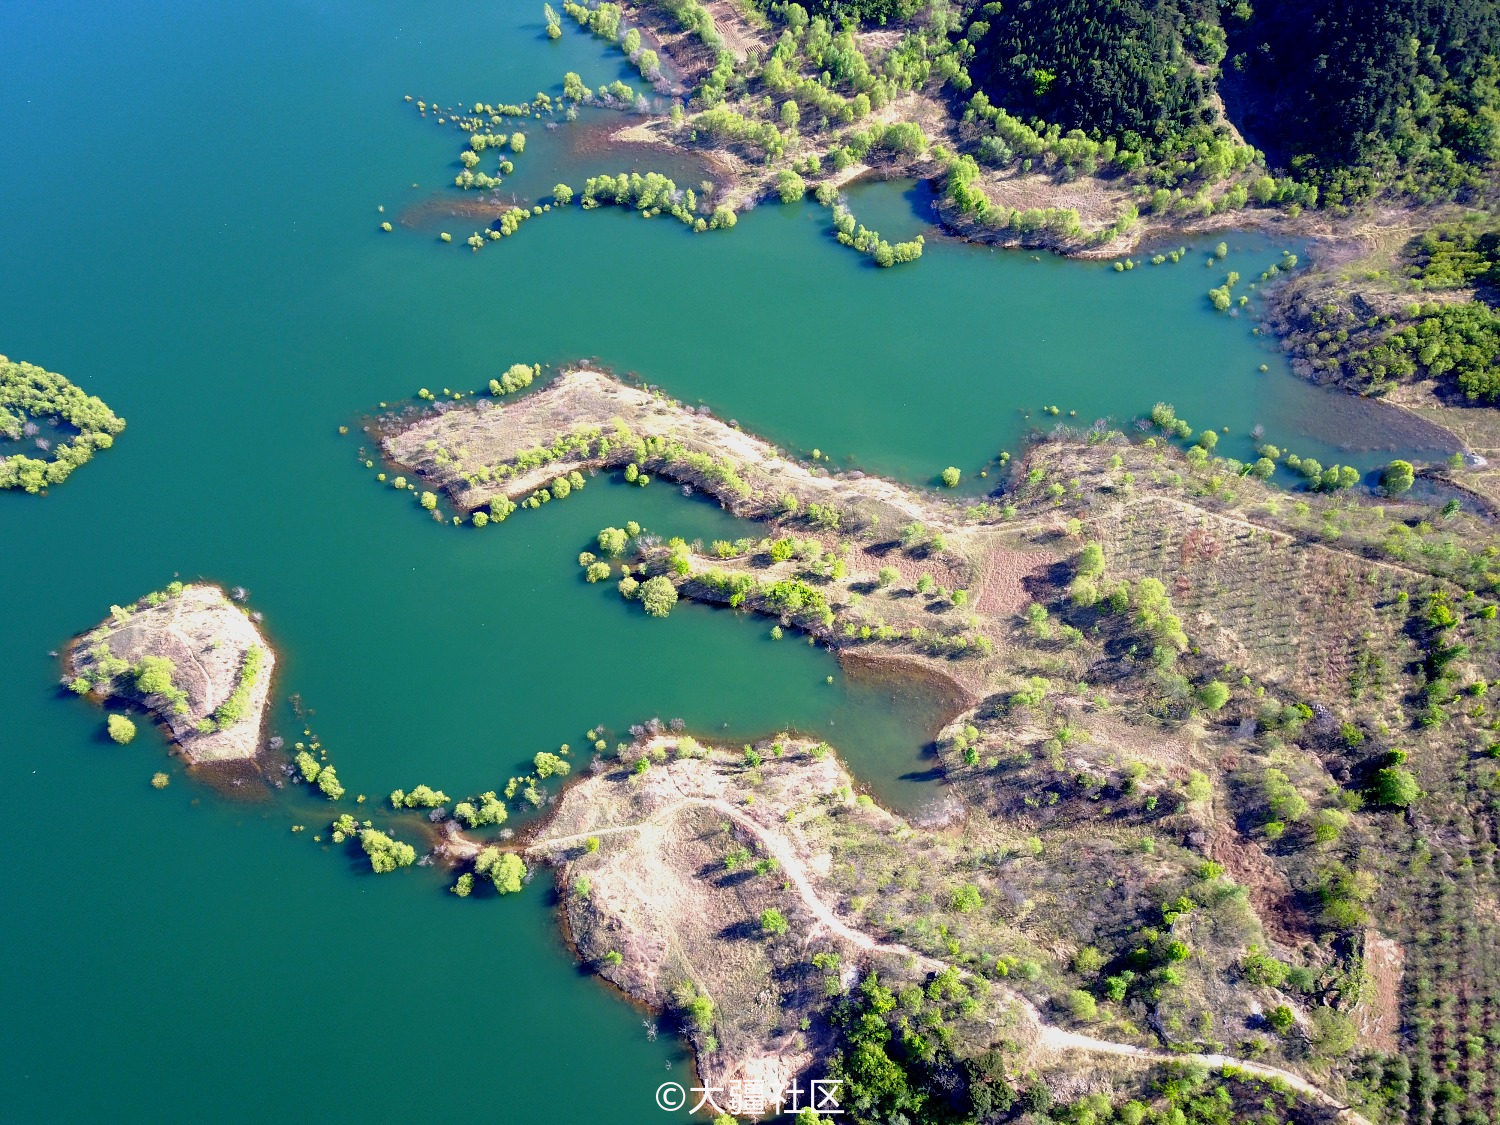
(480, 207)
(906, 675)
(1353, 423)
(571, 153)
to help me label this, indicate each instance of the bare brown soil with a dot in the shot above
(1378, 1015)
(1246, 862)
(739, 38)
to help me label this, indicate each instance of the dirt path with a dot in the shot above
(1049, 1036)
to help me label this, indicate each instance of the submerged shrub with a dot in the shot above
(658, 596)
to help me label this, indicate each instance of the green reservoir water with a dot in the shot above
(188, 217)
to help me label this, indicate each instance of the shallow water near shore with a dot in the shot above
(191, 232)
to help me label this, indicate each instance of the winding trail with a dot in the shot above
(1049, 1036)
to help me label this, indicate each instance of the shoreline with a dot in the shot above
(1331, 240)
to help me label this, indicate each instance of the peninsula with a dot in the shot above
(1249, 708)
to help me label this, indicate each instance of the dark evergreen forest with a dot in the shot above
(1354, 96)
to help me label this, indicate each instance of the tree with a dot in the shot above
(1261, 968)
(1328, 824)
(1398, 477)
(385, 853)
(1088, 961)
(612, 541)
(597, 571)
(772, 922)
(1333, 1033)
(966, 899)
(549, 765)
(700, 1011)
(28, 392)
(562, 195)
(1396, 786)
(887, 575)
(1082, 1006)
(658, 596)
(790, 186)
(951, 476)
(484, 809)
(1214, 694)
(423, 797)
(121, 729)
(505, 869)
(328, 782)
(517, 376)
(1109, 68)
(153, 675)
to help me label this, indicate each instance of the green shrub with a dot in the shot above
(658, 596)
(772, 922)
(505, 869)
(965, 899)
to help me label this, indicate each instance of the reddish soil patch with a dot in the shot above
(1378, 1015)
(1248, 865)
(1002, 578)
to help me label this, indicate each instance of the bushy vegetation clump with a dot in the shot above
(79, 425)
(386, 854)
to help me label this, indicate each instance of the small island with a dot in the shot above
(191, 658)
(40, 410)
